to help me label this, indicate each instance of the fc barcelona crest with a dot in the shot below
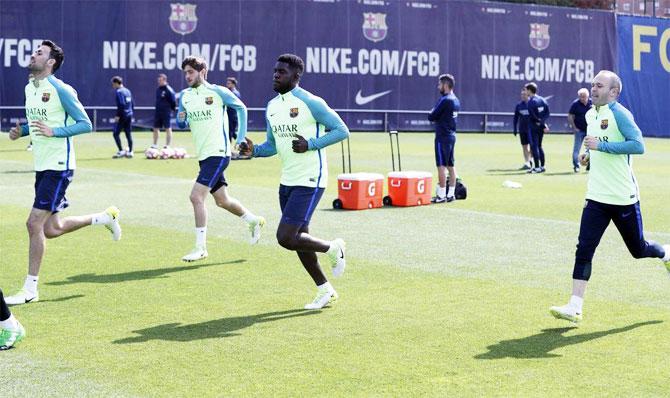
(182, 18)
(539, 36)
(374, 26)
(45, 97)
(603, 124)
(209, 100)
(294, 112)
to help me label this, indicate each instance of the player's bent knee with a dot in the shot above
(286, 240)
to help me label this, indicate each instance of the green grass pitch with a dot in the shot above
(443, 300)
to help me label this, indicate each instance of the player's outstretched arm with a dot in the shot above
(75, 110)
(269, 147)
(231, 100)
(182, 122)
(326, 116)
(634, 144)
(18, 131)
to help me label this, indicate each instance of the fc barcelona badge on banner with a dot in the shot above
(294, 112)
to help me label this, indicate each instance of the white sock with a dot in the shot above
(326, 286)
(452, 191)
(441, 191)
(9, 323)
(576, 302)
(201, 237)
(31, 284)
(249, 217)
(101, 218)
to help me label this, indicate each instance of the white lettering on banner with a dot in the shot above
(169, 56)
(508, 67)
(328, 60)
(18, 50)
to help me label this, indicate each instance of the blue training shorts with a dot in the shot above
(211, 172)
(298, 203)
(50, 187)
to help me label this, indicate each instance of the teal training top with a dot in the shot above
(611, 178)
(205, 107)
(298, 112)
(56, 104)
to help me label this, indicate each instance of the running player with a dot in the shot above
(296, 124)
(202, 107)
(612, 193)
(56, 116)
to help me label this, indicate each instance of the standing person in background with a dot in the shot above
(538, 113)
(444, 115)
(124, 115)
(577, 120)
(521, 120)
(166, 103)
(231, 84)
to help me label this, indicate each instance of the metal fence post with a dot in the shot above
(486, 123)
(95, 120)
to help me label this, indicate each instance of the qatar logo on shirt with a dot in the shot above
(374, 26)
(183, 19)
(539, 36)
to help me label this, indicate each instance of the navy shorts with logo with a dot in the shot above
(444, 150)
(50, 187)
(298, 203)
(211, 172)
(162, 120)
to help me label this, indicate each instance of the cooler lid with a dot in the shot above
(360, 176)
(409, 174)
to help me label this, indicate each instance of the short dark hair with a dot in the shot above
(117, 80)
(232, 80)
(449, 79)
(56, 53)
(197, 63)
(532, 87)
(294, 61)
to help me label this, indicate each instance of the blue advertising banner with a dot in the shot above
(362, 55)
(644, 68)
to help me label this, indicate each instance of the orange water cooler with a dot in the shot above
(409, 188)
(358, 191)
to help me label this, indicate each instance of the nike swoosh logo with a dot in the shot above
(44, 203)
(27, 301)
(273, 114)
(341, 254)
(361, 100)
(548, 97)
(626, 214)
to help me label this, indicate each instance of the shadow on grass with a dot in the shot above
(215, 329)
(135, 275)
(540, 345)
(18, 172)
(59, 299)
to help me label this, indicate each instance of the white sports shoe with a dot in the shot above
(336, 255)
(22, 297)
(322, 299)
(255, 229)
(113, 225)
(566, 312)
(198, 253)
(666, 259)
(119, 154)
